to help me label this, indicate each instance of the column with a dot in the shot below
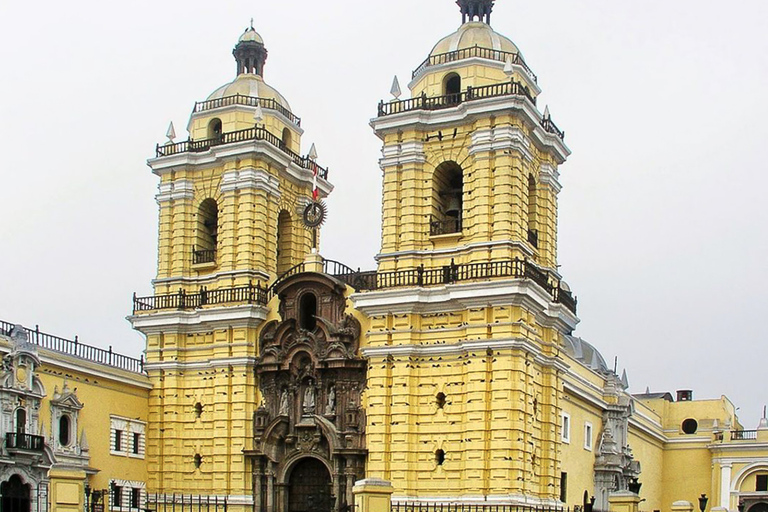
(725, 485)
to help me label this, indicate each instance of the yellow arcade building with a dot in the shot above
(451, 377)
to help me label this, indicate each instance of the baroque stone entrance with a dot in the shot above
(309, 444)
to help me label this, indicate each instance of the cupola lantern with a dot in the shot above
(250, 53)
(471, 9)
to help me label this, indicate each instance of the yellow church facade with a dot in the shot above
(449, 376)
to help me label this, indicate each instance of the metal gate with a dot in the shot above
(310, 487)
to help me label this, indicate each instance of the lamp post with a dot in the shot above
(634, 486)
(703, 502)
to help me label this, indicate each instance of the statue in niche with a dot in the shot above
(284, 403)
(331, 406)
(309, 398)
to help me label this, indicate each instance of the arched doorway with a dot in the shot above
(758, 507)
(309, 488)
(15, 495)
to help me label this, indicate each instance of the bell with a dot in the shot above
(453, 206)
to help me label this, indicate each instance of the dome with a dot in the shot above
(584, 353)
(250, 35)
(249, 84)
(474, 33)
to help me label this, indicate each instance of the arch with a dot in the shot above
(287, 138)
(214, 128)
(447, 199)
(21, 420)
(15, 495)
(284, 254)
(761, 506)
(309, 486)
(65, 428)
(207, 232)
(452, 88)
(533, 232)
(738, 480)
(308, 311)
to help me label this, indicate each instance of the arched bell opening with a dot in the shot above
(310, 487)
(308, 311)
(207, 232)
(452, 88)
(447, 199)
(15, 495)
(284, 242)
(533, 231)
(287, 138)
(214, 128)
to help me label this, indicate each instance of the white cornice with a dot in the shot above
(402, 153)
(226, 152)
(210, 278)
(249, 362)
(462, 296)
(477, 61)
(548, 175)
(175, 190)
(464, 249)
(465, 347)
(250, 178)
(470, 110)
(248, 315)
(500, 138)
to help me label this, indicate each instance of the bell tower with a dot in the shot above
(469, 311)
(231, 198)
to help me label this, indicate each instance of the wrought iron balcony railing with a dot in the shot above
(22, 441)
(203, 256)
(80, 350)
(743, 435)
(475, 51)
(365, 280)
(551, 127)
(255, 133)
(444, 226)
(249, 101)
(425, 102)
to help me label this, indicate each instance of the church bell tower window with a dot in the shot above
(308, 310)
(452, 88)
(64, 430)
(286, 139)
(284, 242)
(447, 194)
(214, 128)
(207, 232)
(21, 421)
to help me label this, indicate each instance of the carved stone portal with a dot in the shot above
(311, 378)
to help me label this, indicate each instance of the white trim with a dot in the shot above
(469, 110)
(196, 365)
(464, 249)
(565, 431)
(402, 153)
(548, 175)
(112, 373)
(589, 433)
(477, 61)
(210, 278)
(736, 481)
(500, 138)
(456, 297)
(250, 178)
(175, 190)
(246, 315)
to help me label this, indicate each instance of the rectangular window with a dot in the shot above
(117, 496)
(136, 441)
(563, 487)
(588, 436)
(566, 433)
(761, 483)
(118, 440)
(135, 497)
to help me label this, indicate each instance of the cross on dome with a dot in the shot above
(480, 9)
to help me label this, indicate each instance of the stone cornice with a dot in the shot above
(247, 315)
(250, 178)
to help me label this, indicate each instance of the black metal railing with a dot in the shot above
(185, 503)
(249, 101)
(425, 102)
(466, 507)
(743, 435)
(366, 280)
(551, 127)
(203, 256)
(533, 237)
(468, 53)
(249, 134)
(444, 226)
(80, 350)
(22, 441)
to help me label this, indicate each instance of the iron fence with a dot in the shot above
(185, 503)
(475, 51)
(467, 507)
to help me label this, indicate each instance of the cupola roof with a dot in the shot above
(249, 84)
(250, 34)
(471, 34)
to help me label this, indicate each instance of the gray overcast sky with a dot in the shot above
(662, 214)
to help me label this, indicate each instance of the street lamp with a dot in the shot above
(634, 486)
(703, 502)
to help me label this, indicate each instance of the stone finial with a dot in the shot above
(312, 152)
(509, 68)
(258, 114)
(395, 91)
(171, 133)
